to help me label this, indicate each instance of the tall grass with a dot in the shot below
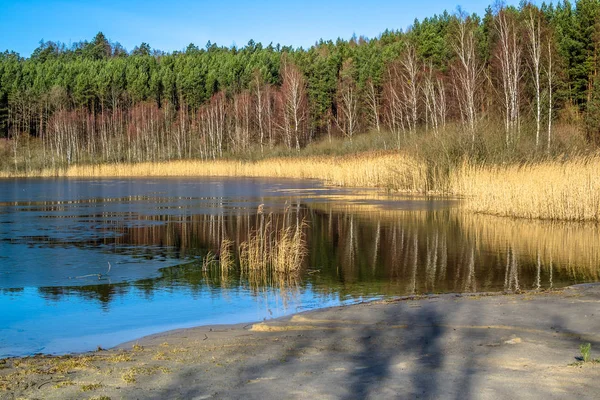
(275, 246)
(554, 190)
(273, 254)
(373, 169)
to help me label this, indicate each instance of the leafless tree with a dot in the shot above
(394, 107)
(294, 103)
(434, 93)
(240, 136)
(213, 123)
(467, 71)
(410, 88)
(260, 105)
(374, 104)
(269, 95)
(509, 57)
(534, 42)
(550, 82)
(347, 102)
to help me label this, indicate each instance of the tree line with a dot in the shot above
(521, 67)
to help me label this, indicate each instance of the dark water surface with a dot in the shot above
(87, 263)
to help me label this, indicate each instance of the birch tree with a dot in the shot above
(373, 102)
(410, 71)
(434, 93)
(550, 83)
(509, 54)
(294, 99)
(467, 71)
(347, 103)
(534, 45)
(394, 112)
(260, 106)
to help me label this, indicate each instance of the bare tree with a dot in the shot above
(213, 123)
(294, 99)
(394, 109)
(260, 106)
(373, 101)
(509, 56)
(401, 93)
(181, 130)
(240, 137)
(534, 41)
(410, 88)
(550, 82)
(434, 93)
(269, 103)
(347, 103)
(466, 71)
(441, 104)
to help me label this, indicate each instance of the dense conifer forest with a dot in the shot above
(523, 78)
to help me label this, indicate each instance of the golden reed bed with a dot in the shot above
(386, 170)
(553, 190)
(556, 190)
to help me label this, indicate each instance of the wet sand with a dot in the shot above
(446, 346)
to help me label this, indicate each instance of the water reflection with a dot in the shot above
(57, 293)
(357, 253)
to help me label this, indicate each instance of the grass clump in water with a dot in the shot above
(276, 246)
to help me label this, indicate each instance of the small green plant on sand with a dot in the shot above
(585, 350)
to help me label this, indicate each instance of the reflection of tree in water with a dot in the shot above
(371, 253)
(12, 291)
(104, 294)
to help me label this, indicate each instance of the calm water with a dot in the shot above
(87, 263)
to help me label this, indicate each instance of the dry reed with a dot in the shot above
(222, 262)
(226, 259)
(274, 246)
(553, 190)
(273, 255)
(373, 169)
(556, 190)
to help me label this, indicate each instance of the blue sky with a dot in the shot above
(172, 25)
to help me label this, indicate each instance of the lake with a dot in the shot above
(89, 263)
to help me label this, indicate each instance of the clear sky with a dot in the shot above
(172, 25)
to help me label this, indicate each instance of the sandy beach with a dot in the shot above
(443, 346)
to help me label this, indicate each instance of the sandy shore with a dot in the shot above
(448, 346)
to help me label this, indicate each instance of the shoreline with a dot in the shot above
(377, 348)
(558, 190)
(250, 324)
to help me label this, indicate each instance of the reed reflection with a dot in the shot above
(357, 251)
